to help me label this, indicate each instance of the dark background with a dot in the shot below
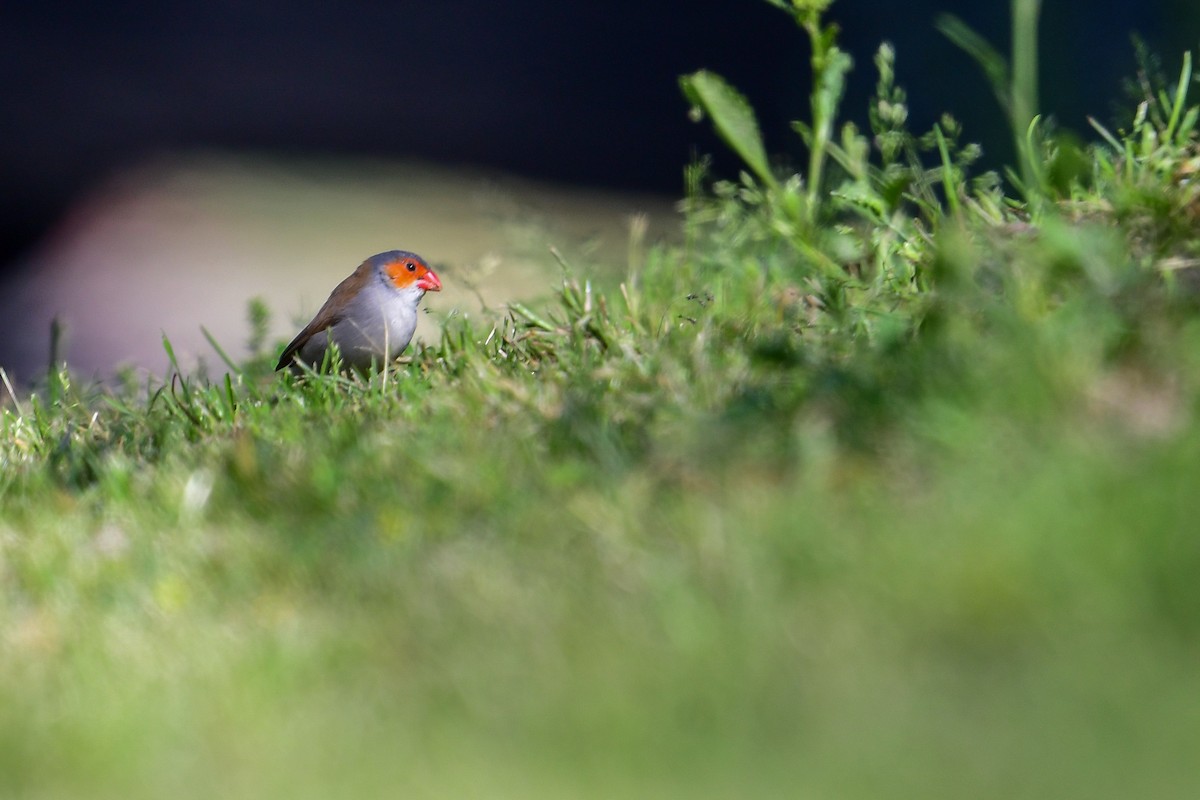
(574, 91)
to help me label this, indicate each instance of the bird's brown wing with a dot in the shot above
(325, 319)
(330, 314)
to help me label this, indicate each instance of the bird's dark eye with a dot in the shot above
(411, 266)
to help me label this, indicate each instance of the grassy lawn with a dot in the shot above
(883, 483)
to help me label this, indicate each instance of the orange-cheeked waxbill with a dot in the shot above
(371, 315)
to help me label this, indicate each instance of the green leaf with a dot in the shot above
(733, 118)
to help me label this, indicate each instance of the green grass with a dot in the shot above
(879, 485)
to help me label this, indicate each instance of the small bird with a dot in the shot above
(371, 315)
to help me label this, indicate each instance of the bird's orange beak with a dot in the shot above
(429, 282)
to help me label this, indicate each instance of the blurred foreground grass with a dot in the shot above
(428, 602)
(888, 496)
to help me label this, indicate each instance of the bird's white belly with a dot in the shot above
(377, 327)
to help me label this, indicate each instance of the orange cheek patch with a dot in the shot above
(400, 274)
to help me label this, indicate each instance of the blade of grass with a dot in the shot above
(1025, 15)
(220, 351)
(11, 392)
(1185, 79)
(947, 172)
(185, 390)
(1106, 134)
(994, 66)
(530, 317)
(230, 398)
